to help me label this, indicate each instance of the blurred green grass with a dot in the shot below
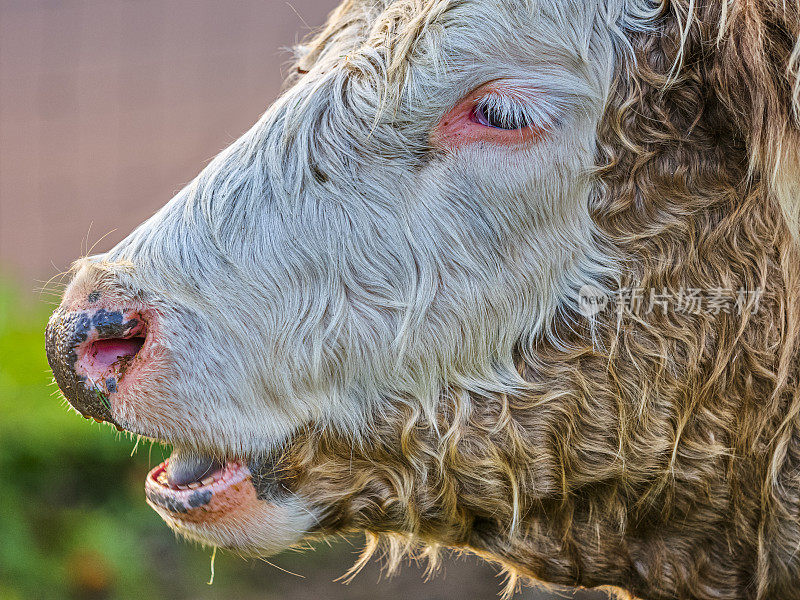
(68, 491)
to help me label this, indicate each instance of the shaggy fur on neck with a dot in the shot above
(663, 458)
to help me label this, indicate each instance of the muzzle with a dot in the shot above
(90, 351)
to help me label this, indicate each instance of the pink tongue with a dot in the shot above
(184, 468)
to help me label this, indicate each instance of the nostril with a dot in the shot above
(93, 351)
(113, 352)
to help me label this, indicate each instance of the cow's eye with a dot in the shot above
(498, 113)
(501, 113)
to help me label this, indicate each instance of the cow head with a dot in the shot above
(369, 312)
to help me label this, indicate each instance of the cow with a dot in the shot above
(515, 277)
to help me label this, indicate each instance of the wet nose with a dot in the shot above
(88, 351)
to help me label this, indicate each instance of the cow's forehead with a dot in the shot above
(403, 33)
(401, 24)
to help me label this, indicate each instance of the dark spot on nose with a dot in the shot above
(111, 385)
(94, 297)
(107, 323)
(82, 326)
(111, 324)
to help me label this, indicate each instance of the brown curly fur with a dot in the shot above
(664, 458)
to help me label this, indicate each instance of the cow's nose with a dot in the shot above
(89, 351)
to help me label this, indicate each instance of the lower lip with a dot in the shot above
(198, 501)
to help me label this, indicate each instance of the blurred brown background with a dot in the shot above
(107, 108)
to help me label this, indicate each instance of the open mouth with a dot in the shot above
(193, 487)
(232, 503)
(194, 490)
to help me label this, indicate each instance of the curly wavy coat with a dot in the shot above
(664, 458)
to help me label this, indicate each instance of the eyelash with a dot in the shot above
(510, 114)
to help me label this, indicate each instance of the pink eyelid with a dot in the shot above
(461, 126)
